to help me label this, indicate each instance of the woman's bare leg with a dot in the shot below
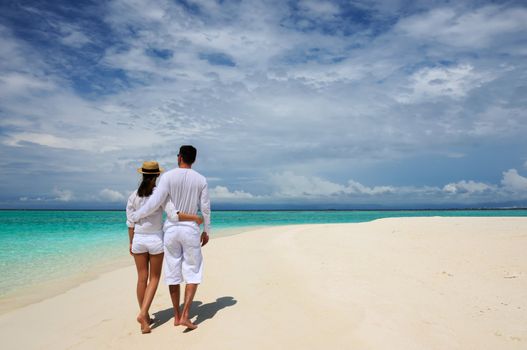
(156, 263)
(141, 264)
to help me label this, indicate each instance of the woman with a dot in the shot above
(146, 240)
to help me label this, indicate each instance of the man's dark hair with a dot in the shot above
(188, 153)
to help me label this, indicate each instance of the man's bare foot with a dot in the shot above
(186, 322)
(143, 321)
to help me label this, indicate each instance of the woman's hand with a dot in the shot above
(199, 220)
(131, 237)
(204, 238)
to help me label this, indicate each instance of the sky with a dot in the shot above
(291, 104)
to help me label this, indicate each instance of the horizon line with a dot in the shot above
(307, 209)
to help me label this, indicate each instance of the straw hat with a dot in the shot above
(150, 168)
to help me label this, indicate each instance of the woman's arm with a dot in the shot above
(131, 236)
(175, 215)
(130, 208)
(189, 217)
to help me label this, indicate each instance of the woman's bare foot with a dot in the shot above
(143, 321)
(177, 318)
(186, 322)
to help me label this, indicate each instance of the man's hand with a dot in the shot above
(204, 238)
(130, 249)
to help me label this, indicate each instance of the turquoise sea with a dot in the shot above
(41, 246)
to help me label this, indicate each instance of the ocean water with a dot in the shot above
(42, 246)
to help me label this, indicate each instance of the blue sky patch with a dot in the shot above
(218, 59)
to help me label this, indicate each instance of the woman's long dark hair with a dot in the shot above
(147, 185)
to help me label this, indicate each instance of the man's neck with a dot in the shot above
(184, 165)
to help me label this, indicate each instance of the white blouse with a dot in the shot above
(153, 223)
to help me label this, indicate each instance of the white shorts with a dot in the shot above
(183, 260)
(151, 243)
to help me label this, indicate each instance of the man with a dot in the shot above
(187, 189)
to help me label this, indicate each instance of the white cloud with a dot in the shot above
(109, 195)
(75, 38)
(355, 187)
(17, 140)
(14, 83)
(319, 9)
(222, 193)
(292, 185)
(140, 11)
(63, 195)
(31, 199)
(497, 120)
(471, 29)
(513, 181)
(454, 82)
(467, 187)
(72, 35)
(12, 52)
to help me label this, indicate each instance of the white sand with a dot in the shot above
(407, 283)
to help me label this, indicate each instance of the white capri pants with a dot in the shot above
(183, 260)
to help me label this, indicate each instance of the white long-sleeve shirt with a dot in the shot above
(152, 223)
(186, 189)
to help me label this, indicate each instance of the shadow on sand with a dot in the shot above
(202, 311)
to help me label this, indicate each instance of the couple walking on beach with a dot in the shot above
(177, 243)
